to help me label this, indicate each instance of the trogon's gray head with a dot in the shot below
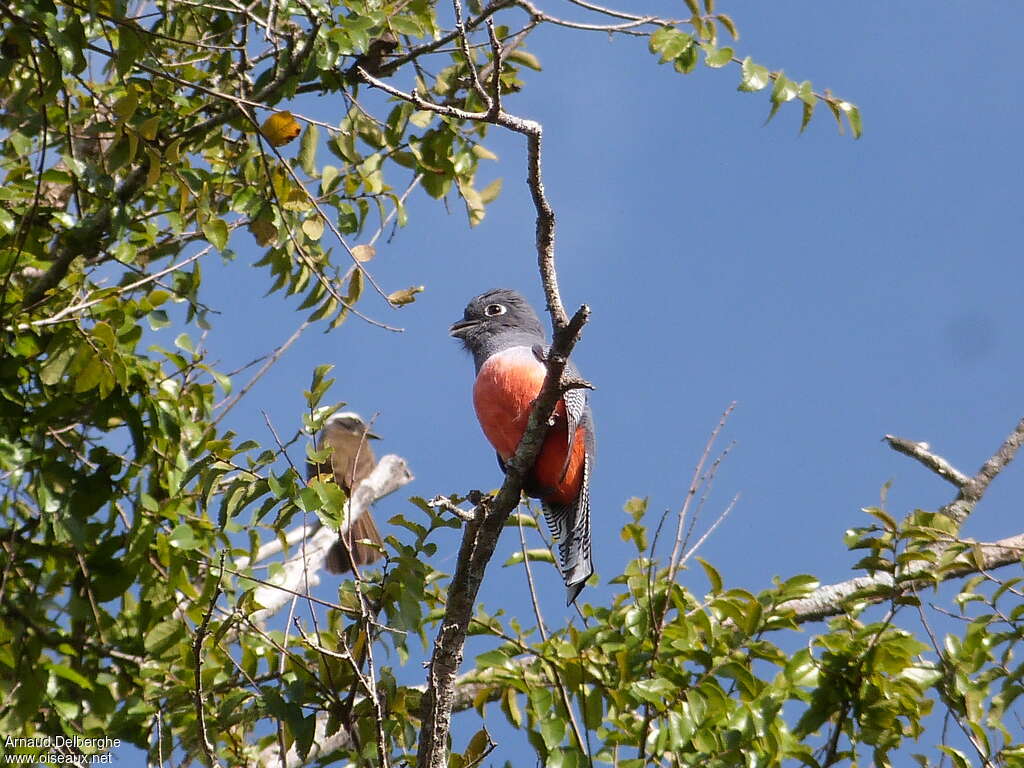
(497, 319)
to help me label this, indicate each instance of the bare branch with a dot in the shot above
(447, 505)
(933, 461)
(691, 493)
(996, 463)
(830, 600)
(970, 494)
(197, 651)
(230, 402)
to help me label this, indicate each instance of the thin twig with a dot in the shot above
(230, 402)
(718, 521)
(691, 492)
(197, 652)
(552, 669)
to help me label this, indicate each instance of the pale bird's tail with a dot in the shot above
(365, 528)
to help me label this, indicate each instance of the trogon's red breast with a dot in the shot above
(507, 341)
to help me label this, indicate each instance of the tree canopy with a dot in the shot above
(140, 139)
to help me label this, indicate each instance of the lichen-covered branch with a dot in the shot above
(831, 600)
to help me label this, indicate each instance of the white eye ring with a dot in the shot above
(493, 310)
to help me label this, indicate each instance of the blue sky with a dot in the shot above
(836, 289)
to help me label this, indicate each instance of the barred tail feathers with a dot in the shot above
(570, 527)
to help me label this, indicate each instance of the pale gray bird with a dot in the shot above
(351, 461)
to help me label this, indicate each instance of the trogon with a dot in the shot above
(350, 463)
(509, 348)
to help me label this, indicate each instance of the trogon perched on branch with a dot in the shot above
(507, 341)
(351, 462)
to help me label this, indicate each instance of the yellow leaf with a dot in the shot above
(483, 152)
(153, 171)
(405, 296)
(363, 253)
(490, 193)
(296, 200)
(125, 106)
(314, 228)
(280, 128)
(148, 128)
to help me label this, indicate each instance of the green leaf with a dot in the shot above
(552, 730)
(713, 576)
(510, 706)
(130, 45)
(125, 106)
(90, 375)
(669, 42)
(7, 223)
(478, 746)
(53, 369)
(833, 107)
(216, 233)
(853, 117)
(474, 204)
(71, 675)
(806, 95)
(887, 520)
(754, 77)
(421, 119)
(490, 193)
(534, 555)
(717, 57)
(783, 91)
(525, 58)
(307, 150)
(163, 636)
(182, 537)
(327, 176)
(727, 22)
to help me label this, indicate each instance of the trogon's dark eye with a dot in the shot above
(493, 310)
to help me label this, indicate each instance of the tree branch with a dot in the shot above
(831, 600)
(478, 542)
(90, 236)
(467, 688)
(390, 474)
(934, 462)
(534, 132)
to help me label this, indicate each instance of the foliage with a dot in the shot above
(136, 143)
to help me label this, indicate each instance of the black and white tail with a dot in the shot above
(570, 527)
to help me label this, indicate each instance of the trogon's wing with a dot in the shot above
(575, 408)
(575, 404)
(570, 527)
